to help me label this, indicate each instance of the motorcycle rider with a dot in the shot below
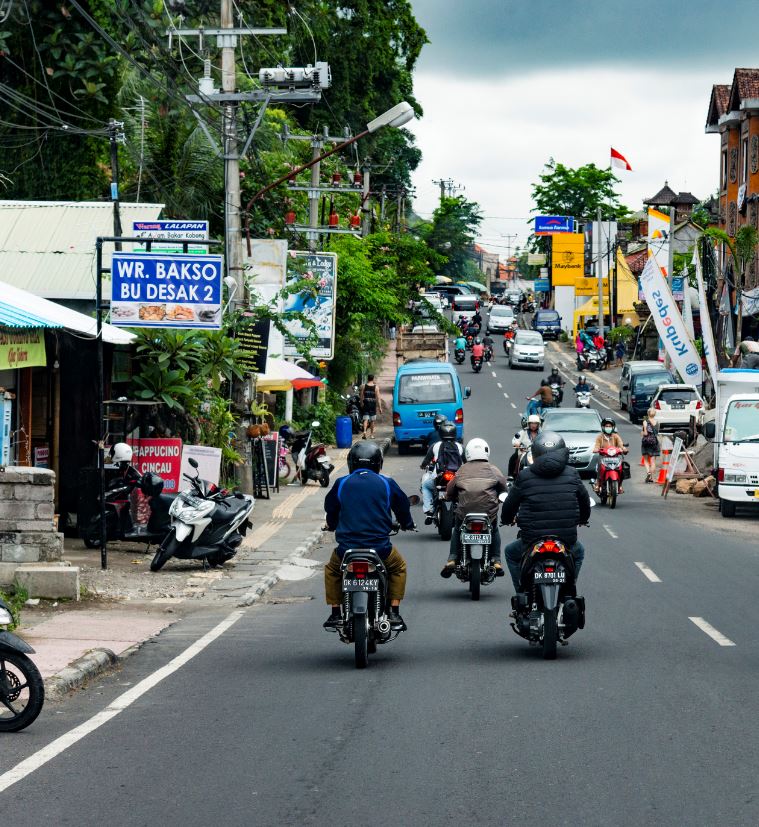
(445, 455)
(437, 422)
(544, 400)
(554, 378)
(475, 488)
(478, 350)
(476, 318)
(608, 438)
(546, 499)
(523, 442)
(487, 342)
(460, 343)
(582, 385)
(359, 509)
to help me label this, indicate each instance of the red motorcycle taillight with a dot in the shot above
(477, 527)
(448, 475)
(459, 418)
(720, 475)
(360, 569)
(549, 547)
(396, 418)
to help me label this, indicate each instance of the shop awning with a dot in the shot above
(50, 314)
(282, 375)
(11, 316)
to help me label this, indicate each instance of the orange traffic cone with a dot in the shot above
(664, 467)
(642, 461)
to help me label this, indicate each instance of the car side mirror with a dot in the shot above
(710, 430)
(467, 392)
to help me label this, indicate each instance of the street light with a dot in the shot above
(396, 117)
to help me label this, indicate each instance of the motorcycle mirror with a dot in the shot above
(414, 499)
(192, 462)
(315, 423)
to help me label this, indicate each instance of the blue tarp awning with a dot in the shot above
(11, 316)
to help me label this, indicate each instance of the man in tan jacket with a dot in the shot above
(475, 489)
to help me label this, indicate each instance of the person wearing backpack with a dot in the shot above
(445, 455)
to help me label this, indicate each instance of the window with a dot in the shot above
(744, 160)
(742, 422)
(426, 387)
(683, 395)
(723, 177)
(528, 337)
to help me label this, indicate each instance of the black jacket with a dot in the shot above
(548, 498)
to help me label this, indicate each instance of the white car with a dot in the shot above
(434, 300)
(675, 404)
(501, 318)
(527, 350)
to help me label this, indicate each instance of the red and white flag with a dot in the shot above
(619, 160)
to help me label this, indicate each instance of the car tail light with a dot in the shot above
(699, 405)
(360, 568)
(459, 418)
(720, 475)
(448, 475)
(396, 418)
(657, 405)
(476, 526)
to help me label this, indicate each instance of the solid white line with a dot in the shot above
(650, 574)
(611, 533)
(68, 739)
(513, 405)
(708, 629)
(499, 384)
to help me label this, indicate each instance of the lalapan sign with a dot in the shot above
(153, 290)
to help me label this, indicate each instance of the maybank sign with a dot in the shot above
(550, 224)
(567, 259)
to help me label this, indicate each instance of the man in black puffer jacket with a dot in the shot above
(548, 498)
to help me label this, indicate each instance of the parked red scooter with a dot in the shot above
(610, 474)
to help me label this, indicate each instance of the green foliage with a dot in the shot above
(171, 387)
(577, 192)
(220, 359)
(15, 602)
(622, 333)
(217, 428)
(742, 248)
(325, 413)
(451, 234)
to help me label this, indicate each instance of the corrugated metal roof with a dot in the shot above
(12, 316)
(48, 247)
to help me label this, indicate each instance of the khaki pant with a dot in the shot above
(396, 577)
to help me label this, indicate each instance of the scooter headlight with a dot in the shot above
(5, 616)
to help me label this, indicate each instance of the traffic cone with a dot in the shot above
(664, 467)
(642, 461)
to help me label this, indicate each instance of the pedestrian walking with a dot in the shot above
(371, 405)
(649, 444)
(392, 331)
(620, 353)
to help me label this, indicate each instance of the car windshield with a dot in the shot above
(684, 395)
(568, 422)
(466, 301)
(528, 337)
(548, 316)
(649, 382)
(742, 422)
(502, 311)
(421, 388)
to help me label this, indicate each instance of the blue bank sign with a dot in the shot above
(541, 286)
(151, 290)
(549, 224)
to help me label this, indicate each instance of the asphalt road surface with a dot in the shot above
(647, 717)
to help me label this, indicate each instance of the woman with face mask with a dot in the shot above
(608, 438)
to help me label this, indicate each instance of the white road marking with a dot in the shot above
(611, 533)
(494, 373)
(505, 394)
(68, 739)
(499, 384)
(650, 574)
(708, 629)
(513, 405)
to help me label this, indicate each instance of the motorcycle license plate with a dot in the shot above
(550, 577)
(370, 584)
(194, 502)
(476, 539)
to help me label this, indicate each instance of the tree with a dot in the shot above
(451, 234)
(577, 192)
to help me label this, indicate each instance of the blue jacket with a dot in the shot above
(360, 510)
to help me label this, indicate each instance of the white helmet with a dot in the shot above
(121, 452)
(476, 449)
(533, 418)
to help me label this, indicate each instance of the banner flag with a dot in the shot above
(618, 160)
(669, 323)
(687, 307)
(707, 334)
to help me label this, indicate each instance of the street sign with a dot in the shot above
(168, 230)
(319, 308)
(586, 286)
(153, 290)
(541, 285)
(550, 224)
(536, 259)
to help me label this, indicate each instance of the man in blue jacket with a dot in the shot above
(360, 510)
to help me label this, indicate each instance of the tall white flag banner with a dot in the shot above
(707, 334)
(669, 323)
(687, 307)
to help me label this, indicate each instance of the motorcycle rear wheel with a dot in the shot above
(303, 477)
(445, 523)
(550, 634)
(613, 491)
(12, 687)
(324, 480)
(475, 571)
(361, 640)
(164, 554)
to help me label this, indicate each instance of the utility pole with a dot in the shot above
(317, 146)
(599, 273)
(115, 134)
(448, 188)
(366, 224)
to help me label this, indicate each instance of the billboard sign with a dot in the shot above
(567, 259)
(317, 306)
(155, 290)
(265, 271)
(550, 224)
(589, 287)
(170, 230)
(541, 286)
(159, 456)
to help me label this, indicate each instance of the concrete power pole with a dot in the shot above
(599, 273)
(366, 224)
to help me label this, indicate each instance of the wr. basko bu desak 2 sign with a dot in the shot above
(166, 290)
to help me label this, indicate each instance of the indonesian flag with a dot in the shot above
(619, 160)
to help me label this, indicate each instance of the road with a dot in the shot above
(647, 717)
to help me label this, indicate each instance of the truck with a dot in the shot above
(733, 426)
(423, 343)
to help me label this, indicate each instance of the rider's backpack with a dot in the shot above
(449, 456)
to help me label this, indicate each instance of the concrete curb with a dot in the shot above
(78, 672)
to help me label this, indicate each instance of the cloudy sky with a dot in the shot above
(506, 85)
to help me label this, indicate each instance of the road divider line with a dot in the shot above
(611, 532)
(513, 405)
(68, 739)
(499, 384)
(708, 629)
(649, 573)
(494, 373)
(505, 394)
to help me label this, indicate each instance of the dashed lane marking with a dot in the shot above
(649, 573)
(505, 394)
(611, 532)
(494, 373)
(513, 405)
(499, 384)
(708, 629)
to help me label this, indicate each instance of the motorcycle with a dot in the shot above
(353, 410)
(583, 399)
(22, 690)
(546, 609)
(365, 605)
(442, 513)
(460, 355)
(118, 513)
(208, 524)
(311, 460)
(476, 363)
(474, 564)
(469, 341)
(610, 474)
(508, 339)
(558, 394)
(588, 360)
(488, 354)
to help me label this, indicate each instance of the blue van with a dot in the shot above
(547, 322)
(423, 389)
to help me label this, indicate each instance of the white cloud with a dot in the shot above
(494, 136)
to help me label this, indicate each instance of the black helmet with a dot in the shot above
(447, 430)
(365, 454)
(544, 383)
(438, 421)
(549, 442)
(554, 369)
(581, 380)
(607, 420)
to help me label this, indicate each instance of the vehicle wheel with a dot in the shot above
(475, 571)
(613, 486)
(727, 508)
(602, 495)
(22, 692)
(303, 477)
(361, 640)
(403, 449)
(285, 469)
(550, 634)
(91, 533)
(371, 646)
(165, 552)
(445, 523)
(324, 480)
(622, 406)
(592, 368)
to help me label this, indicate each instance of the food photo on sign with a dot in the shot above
(316, 304)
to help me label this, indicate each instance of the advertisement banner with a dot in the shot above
(254, 346)
(21, 349)
(658, 238)
(707, 334)
(669, 323)
(586, 286)
(550, 224)
(154, 290)
(265, 270)
(208, 459)
(567, 259)
(159, 456)
(321, 269)
(168, 230)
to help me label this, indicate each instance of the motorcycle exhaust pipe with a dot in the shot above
(383, 627)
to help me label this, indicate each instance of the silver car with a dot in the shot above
(527, 350)
(579, 427)
(500, 319)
